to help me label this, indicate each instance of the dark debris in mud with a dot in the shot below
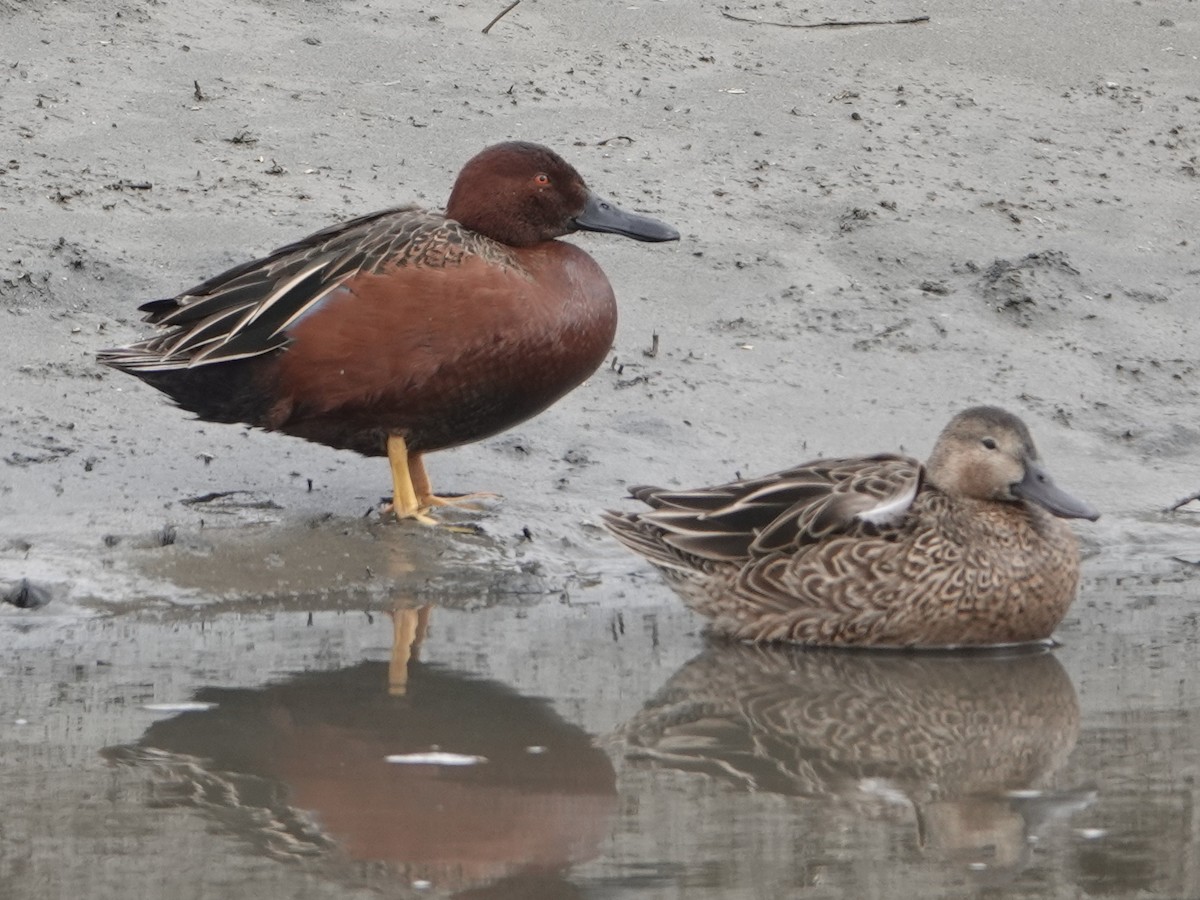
(26, 594)
(1183, 501)
(1029, 287)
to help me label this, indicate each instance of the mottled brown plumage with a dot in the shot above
(962, 744)
(403, 331)
(876, 551)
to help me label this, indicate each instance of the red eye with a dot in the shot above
(541, 178)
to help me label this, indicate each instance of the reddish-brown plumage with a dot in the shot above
(404, 331)
(317, 744)
(532, 337)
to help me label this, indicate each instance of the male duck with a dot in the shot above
(876, 551)
(404, 331)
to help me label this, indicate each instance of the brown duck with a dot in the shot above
(968, 747)
(404, 331)
(968, 550)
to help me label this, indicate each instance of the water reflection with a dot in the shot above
(960, 750)
(410, 624)
(324, 564)
(298, 769)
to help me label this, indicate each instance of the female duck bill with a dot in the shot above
(1038, 487)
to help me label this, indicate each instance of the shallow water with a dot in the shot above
(609, 749)
(881, 226)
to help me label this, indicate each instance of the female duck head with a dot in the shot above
(986, 453)
(521, 194)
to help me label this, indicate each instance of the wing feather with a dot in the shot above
(246, 311)
(780, 513)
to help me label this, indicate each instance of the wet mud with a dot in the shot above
(882, 224)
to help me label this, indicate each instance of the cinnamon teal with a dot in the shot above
(403, 331)
(968, 549)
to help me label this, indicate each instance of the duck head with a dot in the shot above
(987, 453)
(521, 194)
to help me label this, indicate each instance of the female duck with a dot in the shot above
(403, 331)
(876, 551)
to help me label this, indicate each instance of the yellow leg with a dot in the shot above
(426, 498)
(404, 498)
(408, 631)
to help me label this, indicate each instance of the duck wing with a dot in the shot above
(778, 513)
(245, 311)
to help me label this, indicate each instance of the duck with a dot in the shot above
(956, 754)
(326, 769)
(968, 549)
(404, 331)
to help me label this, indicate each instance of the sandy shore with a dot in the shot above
(881, 225)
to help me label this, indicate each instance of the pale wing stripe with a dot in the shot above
(141, 364)
(332, 286)
(207, 356)
(766, 492)
(187, 340)
(681, 522)
(247, 354)
(221, 340)
(202, 361)
(211, 343)
(201, 357)
(892, 510)
(280, 292)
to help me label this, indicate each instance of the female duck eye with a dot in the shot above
(989, 443)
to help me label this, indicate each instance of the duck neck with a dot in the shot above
(494, 217)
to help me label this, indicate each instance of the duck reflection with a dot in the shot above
(961, 745)
(299, 769)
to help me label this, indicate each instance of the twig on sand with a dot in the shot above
(915, 20)
(209, 497)
(221, 495)
(504, 12)
(1184, 501)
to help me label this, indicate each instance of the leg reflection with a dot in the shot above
(408, 631)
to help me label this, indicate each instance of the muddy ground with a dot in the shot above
(881, 225)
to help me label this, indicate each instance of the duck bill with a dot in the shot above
(600, 215)
(1038, 487)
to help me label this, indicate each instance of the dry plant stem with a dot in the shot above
(915, 20)
(1183, 501)
(504, 12)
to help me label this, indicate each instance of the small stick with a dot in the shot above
(1195, 495)
(209, 497)
(504, 12)
(915, 20)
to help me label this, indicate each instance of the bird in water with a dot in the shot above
(404, 331)
(968, 549)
